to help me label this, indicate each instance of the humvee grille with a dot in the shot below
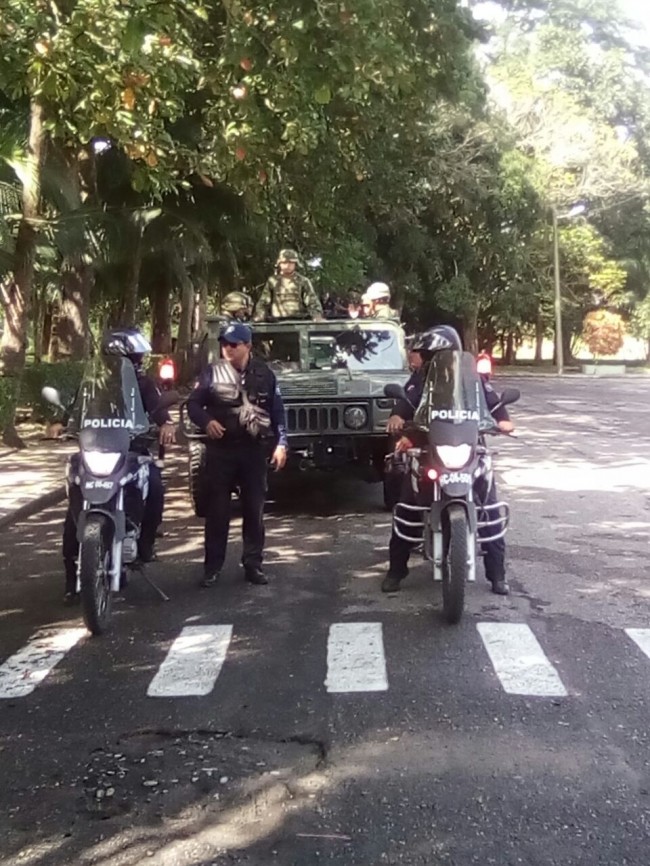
(322, 388)
(314, 419)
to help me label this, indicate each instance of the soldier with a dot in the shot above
(288, 294)
(237, 306)
(376, 302)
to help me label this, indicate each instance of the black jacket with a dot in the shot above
(260, 385)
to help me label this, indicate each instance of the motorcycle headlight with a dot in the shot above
(454, 456)
(101, 462)
(355, 417)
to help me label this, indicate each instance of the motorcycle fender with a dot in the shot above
(435, 512)
(118, 519)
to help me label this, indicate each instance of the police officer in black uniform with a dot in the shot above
(238, 404)
(131, 344)
(433, 340)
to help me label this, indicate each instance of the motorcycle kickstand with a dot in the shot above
(163, 595)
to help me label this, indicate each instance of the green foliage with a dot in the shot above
(65, 376)
(9, 388)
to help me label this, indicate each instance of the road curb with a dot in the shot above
(53, 497)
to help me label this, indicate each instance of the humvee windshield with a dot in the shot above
(356, 350)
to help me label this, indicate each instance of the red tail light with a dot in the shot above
(484, 364)
(167, 371)
(432, 475)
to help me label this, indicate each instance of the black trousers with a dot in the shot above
(229, 466)
(150, 519)
(399, 550)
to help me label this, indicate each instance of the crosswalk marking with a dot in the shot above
(27, 668)
(641, 637)
(355, 658)
(193, 662)
(519, 660)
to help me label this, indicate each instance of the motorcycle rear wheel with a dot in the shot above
(455, 568)
(94, 574)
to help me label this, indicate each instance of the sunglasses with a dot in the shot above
(229, 344)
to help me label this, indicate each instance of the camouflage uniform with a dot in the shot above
(385, 311)
(237, 306)
(288, 297)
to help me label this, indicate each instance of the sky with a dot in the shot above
(638, 10)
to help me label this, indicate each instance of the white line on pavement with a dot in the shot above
(641, 637)
(27, 668)
(193, 663)
(355, 658)
(519, 661)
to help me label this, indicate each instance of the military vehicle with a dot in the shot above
(332, 376)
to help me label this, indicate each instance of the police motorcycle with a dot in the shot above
(450, 427)
(108, 480)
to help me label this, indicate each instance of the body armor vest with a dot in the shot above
(241, 400)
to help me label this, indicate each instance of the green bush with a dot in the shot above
(8, 397)
(65, 376)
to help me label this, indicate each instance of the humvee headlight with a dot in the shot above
(355, 417)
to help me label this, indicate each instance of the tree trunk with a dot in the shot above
(38, 315)
(73, 328)
(539, 337)
(77, 276)
(16, 296)
(470, 330)
(161, 326)
(510, 355)
(130, 298)
(46, 330)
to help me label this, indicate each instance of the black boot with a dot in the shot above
(70, 596)
(392, 583)
(255, 575)
(499, 586)
(210, 578)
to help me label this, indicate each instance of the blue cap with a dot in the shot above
(236, 332)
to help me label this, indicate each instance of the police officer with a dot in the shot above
(435, 339)
(129, 343)
(236, 402)
(288, 294)
(237, 306)
(376, 301)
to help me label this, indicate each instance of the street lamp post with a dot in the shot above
(576, 210)
(559, 344)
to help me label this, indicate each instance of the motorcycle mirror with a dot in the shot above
(51, 395)
(510, 395)
(395, 392)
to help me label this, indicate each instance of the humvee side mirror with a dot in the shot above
(395, 392)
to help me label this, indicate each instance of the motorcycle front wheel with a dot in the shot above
(455, 567)
(94, 574)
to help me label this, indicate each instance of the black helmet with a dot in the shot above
(436, 339)
(127, 342)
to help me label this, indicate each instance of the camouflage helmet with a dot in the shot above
(287, 255)
(235, 301)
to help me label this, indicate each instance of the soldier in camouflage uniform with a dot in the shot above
(237, 306)
(376, 302)
(288, 294)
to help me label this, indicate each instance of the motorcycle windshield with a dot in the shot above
(109, 397)
(453, 392)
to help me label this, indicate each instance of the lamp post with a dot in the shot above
(576, 210)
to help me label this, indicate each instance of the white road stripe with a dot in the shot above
(27, 668)
(193, 662)
(641, 637)
(519, 660)
(355, 658)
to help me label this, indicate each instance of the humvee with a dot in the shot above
(331, 375)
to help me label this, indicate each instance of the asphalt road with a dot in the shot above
(518, 737)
